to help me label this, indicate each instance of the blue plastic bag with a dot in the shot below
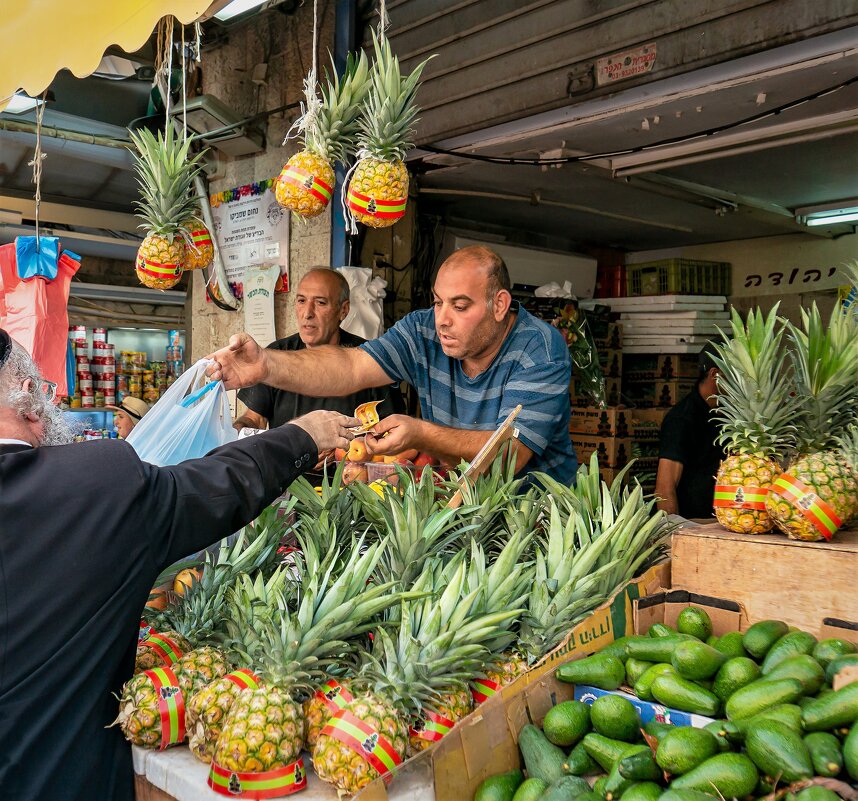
(190, 419)
(37, 262)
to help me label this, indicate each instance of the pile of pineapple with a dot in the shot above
(176, 238)
(392, 617)
(788, 408)
(369, 114)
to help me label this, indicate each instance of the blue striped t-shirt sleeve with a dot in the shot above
(396, 351)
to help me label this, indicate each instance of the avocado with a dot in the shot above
(802, 667)
(643, 686)
(763, 635)
(836, 664)
(643, 791)
(694, 621)
(778, 751)
(579, 763)
(530, 790)
(565, 788)
(603, 750)
(734, 674)
(653, 649)
(729, 775)
(660, 630)
(730, 644)
(499, 788)
(616, 717)
(850, 751)
(674, 691)
(817, 793)
(603, 671)
(639, 765)
(825, 753)
(718, 729)
(635, 668)
(617, 648)
(684, 749)
(657, 729)
(762, 694)
(542, 759)
(616, 784)
(695, 660)
(792, 644)
(834, 709)
(685, 795)
(566, 723)
(826, 650)
(788, 714)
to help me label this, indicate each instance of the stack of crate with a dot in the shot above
(659, 380)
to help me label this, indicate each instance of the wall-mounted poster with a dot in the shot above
(251, 228)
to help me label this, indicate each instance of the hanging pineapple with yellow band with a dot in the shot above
(306, 183)
(377, 190)
(199, 249)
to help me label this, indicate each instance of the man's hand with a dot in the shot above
(394, 434)
(328, 430)
(241, 364)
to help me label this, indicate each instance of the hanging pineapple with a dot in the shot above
(378, 187)
(817, 494)
(756, 412)
(199, 250)
(306, 182)
(164, 174)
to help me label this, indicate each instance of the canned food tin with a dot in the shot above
(87, 401)
(99, 398)
(74, 403)
(121, 382)
(99, 335)
(174, 338)
(85, 385)
(109, 400)
(77, 332)
(81, 351)
(121, 395)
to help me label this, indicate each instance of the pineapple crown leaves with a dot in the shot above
(330, 125)
(847, 444)
(389, 110)
(506, 580)
(825, 363)
(165, 174)
(756, 407)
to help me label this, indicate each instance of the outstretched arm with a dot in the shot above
(324, 372)
(399, 432)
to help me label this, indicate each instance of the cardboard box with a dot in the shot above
(579, 398)
(485, 743)
(672, 367)
(606, 336)
(647, 711)
(611, 451)
(611, 362)
(611, 422)
(658, 393)
(801, 583)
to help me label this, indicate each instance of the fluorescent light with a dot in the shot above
(832, 219)
(237, 7)
(19, 103)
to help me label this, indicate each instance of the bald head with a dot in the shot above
(484, 261)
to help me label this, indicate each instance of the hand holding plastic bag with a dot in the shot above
(190, 419)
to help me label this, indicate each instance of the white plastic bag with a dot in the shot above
(366, 315)
(554, 290)
(190, 419)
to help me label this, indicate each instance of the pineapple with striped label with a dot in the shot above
(817, 494)
(165, 174)
(378, 188)
(756, 410)
(199, 250)
(306, 183)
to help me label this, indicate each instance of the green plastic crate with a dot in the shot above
(678, 277)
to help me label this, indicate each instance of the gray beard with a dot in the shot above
(57, 430)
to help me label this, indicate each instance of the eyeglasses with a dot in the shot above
(50, 390)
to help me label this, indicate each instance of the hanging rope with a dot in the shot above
(36, 163)
(383, 18)
(312, 105)
(184, 91)
(164, 61)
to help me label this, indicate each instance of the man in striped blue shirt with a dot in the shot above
(472, 359)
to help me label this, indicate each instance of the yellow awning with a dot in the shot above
(38, 38)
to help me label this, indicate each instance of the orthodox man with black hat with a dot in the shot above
(85, 529)
(689, 455)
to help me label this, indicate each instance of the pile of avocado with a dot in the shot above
(778, 720)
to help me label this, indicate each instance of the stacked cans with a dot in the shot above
(84, 396)
(103, 370)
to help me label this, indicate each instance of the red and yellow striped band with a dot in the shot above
(266, 784)
(432, 726)
(334, 695)
(244, 679)
(163, 646)
(171, 705)
(306, 180)
(383, 209)
(201, 238)
(157, 270)
(483, 689)
(817, 511)
(729, 496)
(363, 740)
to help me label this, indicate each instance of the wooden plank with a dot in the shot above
(771, 576)
(146, 791)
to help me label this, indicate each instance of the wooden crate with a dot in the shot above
(801, 583)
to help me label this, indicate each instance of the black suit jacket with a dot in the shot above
(84, 531)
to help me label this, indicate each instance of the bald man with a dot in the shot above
(321, 304)
(472, 358)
